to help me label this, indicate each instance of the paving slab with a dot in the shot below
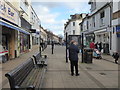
(91, 75)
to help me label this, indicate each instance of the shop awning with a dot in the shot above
(14, 27)
(100, 31)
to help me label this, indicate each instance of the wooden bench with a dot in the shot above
(40, 60)
(26, 76)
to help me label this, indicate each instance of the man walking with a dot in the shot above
(52, 46)
(73, 57)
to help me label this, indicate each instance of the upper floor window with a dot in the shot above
(93, 5)
(26, 2)
(32, 15)
(73, 23)
(93, 19)
(81, 27)
(102, 15)
(87, 25)
(73, 32)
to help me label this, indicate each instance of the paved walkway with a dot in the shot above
(99, 74)
(11, 64)
(109, 58)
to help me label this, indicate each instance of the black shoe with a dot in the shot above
(77, 74)
(72, 74)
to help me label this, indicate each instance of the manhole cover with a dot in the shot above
(88, 68)
(102, 73)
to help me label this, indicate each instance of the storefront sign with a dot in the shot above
(7, 12)
(118, 31)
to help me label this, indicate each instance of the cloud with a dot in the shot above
(77, 7)
(61, 0)
(45, 15)
(49, 19)
(55, 20)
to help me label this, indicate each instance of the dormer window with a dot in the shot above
(93, 4)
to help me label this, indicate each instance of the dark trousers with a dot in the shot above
(74, 63)
(52, 50)
(116, 60)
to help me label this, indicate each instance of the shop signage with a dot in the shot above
(118, 31)
(7, 12)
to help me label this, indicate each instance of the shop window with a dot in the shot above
(102, 16)
(93, 21)
(73, 23)
(87, 24)
(73, 32)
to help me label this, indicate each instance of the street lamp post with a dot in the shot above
(40, 40)
(82, 49)
(66, 49)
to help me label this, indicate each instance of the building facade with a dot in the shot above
(72, 25)
(35, 22)
(15, 23)
(116, 27)
(9, 21)
(97, 25)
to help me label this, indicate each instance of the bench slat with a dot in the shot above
(27, 78)
(27, 74)
(32, 78)
(37, 79)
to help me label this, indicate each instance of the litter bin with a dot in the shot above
(87, 55)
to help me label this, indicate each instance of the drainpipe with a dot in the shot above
(110, 5)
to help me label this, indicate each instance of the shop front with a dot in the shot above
(24, 42)
(88, 38)
(9, 39)
(8, 18)
(103, 37)
(25, 38)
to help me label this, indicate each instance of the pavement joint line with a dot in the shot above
(93, 79)
(79, 70)
(4, 82)
(110, 61)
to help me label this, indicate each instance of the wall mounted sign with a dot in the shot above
(7, 12)
(118, 31)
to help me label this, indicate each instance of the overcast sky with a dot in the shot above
(53, 15)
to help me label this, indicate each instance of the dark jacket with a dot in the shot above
(73, 52)
(52, 45)
(115, 55)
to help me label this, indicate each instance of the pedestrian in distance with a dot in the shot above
(52, 44)
(100, 46)
(73, 57)
(116, 56)
(92, 45)
(96, 45)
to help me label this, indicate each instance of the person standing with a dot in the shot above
(92, 45)
(73, 57)
(116, 56)
(96, 45)
(100, 46)
(52, 44)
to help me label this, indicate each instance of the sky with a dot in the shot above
(54, 14)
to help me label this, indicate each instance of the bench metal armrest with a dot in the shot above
(31, 87)
(45, 56)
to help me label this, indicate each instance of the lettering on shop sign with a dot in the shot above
(4, 9)
(8, 12)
